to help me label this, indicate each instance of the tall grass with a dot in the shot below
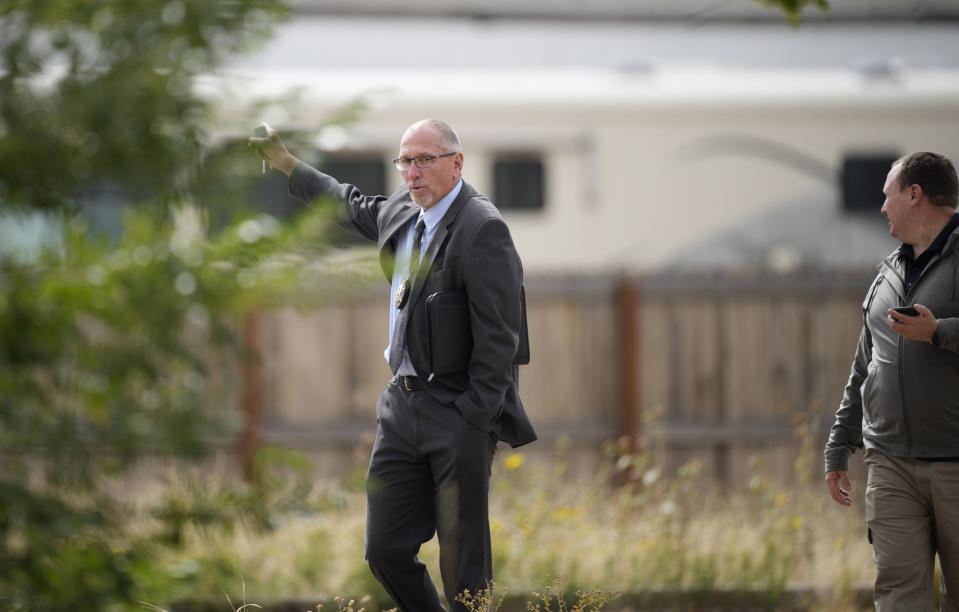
(652, 534)
(672, 534)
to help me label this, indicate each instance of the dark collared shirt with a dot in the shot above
(915, 265)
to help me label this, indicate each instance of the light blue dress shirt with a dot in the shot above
(431, 218)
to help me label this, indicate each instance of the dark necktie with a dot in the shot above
(398, 341)
(415, 251)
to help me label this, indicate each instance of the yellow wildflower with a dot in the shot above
(514, 461)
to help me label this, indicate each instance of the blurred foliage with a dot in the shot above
(117, 349)
(794, 8)
(94, 90)
(113, 352)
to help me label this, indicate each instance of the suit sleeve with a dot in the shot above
(307, 184)
(493, 276)
(846, 433)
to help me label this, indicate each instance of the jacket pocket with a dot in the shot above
(882, 403)
(438, 280)
(934, 400)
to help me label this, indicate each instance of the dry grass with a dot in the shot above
(652, 534)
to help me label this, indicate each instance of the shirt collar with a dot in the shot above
(940, 242)
(434, 214)
(937, 245)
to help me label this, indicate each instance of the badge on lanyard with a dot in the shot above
(402, 294)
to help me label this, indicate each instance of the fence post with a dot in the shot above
(627, 359)
(250, 402)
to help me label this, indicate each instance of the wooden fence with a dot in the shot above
(730, 370)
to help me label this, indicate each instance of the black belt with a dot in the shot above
(410, 383)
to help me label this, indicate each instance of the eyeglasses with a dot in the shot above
(423, 161)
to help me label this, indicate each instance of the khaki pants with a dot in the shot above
(912, 511)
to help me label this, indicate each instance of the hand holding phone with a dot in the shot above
(907, 310)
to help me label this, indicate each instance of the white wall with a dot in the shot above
(638, 166)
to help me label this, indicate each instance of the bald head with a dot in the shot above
(448, 137)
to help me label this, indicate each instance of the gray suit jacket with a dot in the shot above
(471, 250)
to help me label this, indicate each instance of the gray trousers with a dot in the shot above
(912, 511)
(429, 473)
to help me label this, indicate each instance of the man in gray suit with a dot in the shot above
(454, 390)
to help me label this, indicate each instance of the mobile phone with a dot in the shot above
(907, 310)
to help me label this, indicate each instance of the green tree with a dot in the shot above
(94, 90)
(107, 348)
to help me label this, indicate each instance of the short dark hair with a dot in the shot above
(934, 173)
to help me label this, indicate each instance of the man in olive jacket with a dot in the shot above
(902, 400)
(454, 391)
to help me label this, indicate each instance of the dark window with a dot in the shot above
(368, 172)
(863, 177)
(232, 184)
(269, 193)
(518, 182)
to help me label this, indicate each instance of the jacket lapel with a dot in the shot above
(388, 238)
(438, 240)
